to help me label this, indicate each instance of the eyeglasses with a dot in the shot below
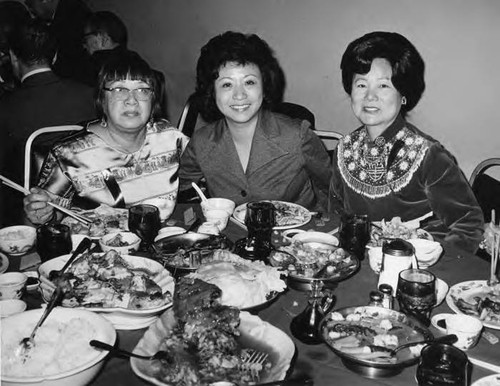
(122, 93)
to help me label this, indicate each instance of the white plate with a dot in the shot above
(305, 216)
(255, 333)
(121, 318)
(468, 290)
(490, 380)
(4, 263)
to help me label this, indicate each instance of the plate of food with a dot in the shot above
(384, 230)
(105, 219)
(288, 215)
(364, 336)
(245, 284)
(489, 380)
(217, 335)
(130, 291)
(306, 262)
(478, 299)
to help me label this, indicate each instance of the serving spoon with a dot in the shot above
(450, 339)
(159, 355)
(82, 247)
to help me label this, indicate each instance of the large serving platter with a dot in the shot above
(470, 292)
(255, 334)
(121, 318)
(288, 215)
(105, 219)
(404, 328)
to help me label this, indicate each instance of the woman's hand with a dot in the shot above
(36, 206)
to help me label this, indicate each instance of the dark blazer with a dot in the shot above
(42, 100)
(287, 162)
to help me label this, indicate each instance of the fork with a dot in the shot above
(252, 361)
(159, 355)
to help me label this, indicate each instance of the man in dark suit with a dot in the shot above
(43, 99)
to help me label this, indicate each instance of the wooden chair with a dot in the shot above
(486, 188)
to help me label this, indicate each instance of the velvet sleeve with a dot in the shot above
(452, 200)
(317, 163)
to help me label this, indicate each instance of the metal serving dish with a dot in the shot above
(405, 328)
(302, 281)
(183, 254)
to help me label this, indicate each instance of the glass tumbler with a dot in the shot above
(442, 365)
(144, 221)
(416, 293)
(354, 233)
(53, 240)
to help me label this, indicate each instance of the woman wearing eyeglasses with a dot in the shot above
(127, 156)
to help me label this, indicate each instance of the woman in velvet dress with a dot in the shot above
(388, 167)
(247, 152)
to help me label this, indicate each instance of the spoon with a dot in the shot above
(159, 355)
(450, 339)
(199, 191)
(28, 343)
(82, 247)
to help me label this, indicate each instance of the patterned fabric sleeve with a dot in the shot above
(53, 180)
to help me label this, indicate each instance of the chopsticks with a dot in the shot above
(485, 365)
(19, 188)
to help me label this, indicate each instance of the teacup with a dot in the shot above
(466, 328)
(12, 285)
(217, 216)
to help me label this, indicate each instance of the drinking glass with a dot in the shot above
(442, 365)
(53, 240)
(354, 233)
(416, 293)
(144, 220)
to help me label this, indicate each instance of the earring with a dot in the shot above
(403, 101)
(103, 122)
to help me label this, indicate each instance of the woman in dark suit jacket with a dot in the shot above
(246, 152)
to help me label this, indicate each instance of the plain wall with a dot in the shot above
(458, 39)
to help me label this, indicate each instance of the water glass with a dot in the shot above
(144, 221)
(354, 233)
(442, 365)
(53, 240)
(416, 293)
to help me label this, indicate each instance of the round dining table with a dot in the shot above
(318, 361)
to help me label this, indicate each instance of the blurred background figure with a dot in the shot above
(66, 19)
(42, 99)
(12, 13)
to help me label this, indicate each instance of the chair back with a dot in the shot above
(189, 117)
(486, 188)
(38, 146)
(294, 110)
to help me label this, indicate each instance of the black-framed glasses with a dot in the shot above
(123, 93)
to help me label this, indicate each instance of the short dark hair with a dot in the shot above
(109, 23)
(242, 49)
(407, 65)
(127, 65)
(32, 42)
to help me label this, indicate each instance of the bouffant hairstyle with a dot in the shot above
(242, 49)
(407, 65)
(127, 65)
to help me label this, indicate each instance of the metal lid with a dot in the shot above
(376, 295)
(398, 247)
(385, 288)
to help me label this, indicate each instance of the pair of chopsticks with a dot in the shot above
(484, 364)
(19, 188)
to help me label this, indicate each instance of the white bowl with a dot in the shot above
(131, 239)
(218, 216)
(15, 327)
(427, 252)
(12, 285)
(17, 240)
(218, 203)
(169, 231)
(310, 237)
(11, 306)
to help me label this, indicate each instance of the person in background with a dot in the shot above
(388, 167)
(130, 154)
(43, 99)
(12, 13)
(66, 19)
(246, 152)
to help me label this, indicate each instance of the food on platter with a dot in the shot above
(477, 298)
(109, 281)
(301, 259)
(288, 215)
(105, 219)
(370, 333)
(202, 343)
(243, 283)
(118, 241)
(395, 228)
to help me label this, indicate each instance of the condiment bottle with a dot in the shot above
(386, 290)
(376, 298)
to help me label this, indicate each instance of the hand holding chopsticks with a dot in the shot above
(19, 188)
